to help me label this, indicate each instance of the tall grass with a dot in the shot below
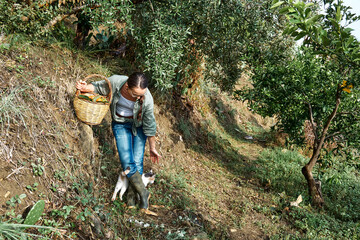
(12, 109)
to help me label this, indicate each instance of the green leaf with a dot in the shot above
(319, 52)
(292, 10)
(284, 10)
(35, 213)
(277, 4)
(22, 196)
(300, 35)
(334, 22)
(338, 14)
(84, 97)
(295, 21)
(309, 5)
(314, 19)
(325, 40)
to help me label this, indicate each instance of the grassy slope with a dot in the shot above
(210, 183)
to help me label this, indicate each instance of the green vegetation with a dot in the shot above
(279, 173)
(317, 85)
(220, 176)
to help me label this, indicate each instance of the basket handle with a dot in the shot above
(109, 96)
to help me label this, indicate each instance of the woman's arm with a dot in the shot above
(154, 155)
(84, 87)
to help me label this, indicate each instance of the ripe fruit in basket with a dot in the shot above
(93, 97)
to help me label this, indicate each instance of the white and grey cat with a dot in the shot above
(123, 182)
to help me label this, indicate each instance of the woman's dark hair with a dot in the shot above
(138, 79)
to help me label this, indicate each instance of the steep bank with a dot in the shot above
(204, 186)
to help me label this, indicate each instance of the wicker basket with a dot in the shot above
(92, 113)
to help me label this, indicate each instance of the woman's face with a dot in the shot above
(136, 92)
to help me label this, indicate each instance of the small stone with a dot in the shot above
(7, 194)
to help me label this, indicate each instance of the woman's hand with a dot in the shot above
(81, 85)
(154, 156)
(84, 87)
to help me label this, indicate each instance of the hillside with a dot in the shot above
(209, 183)
(198, 180)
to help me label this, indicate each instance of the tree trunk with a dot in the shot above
(315, 185)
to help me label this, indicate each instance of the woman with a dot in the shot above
(133, 121)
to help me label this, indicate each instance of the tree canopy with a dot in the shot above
(170, 39)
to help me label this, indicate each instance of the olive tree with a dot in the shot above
(319, 84)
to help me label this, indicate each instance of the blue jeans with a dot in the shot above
(130, 148)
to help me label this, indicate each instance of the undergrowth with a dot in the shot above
(280, 173)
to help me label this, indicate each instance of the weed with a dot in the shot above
(54, 187)
(33, 187)
(64, 212)
(41, 195)
(4, 46)
(43, 82)
(15, 200)
(84, 214)
(38, 169)
(60, 175)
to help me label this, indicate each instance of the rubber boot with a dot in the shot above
(139, 186)
(130, 197)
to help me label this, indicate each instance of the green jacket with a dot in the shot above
(147, 119)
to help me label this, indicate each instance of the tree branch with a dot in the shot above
(332, 135)
(61, 17)
(312, 122)
(316, 153)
